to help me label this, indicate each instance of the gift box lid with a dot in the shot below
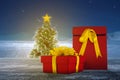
(98, 29)
(61, 59)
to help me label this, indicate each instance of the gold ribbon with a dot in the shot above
(91, 35)
(54, 67)
(64, 51)
(77, 63)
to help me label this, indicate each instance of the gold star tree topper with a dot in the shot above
(46, 18)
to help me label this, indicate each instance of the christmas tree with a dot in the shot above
(45, 38)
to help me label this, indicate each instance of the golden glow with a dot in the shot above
(46, 18)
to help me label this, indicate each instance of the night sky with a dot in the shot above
(19, 19)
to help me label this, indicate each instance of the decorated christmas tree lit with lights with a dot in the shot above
(45, 38)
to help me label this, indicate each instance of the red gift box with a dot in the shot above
(92, 62)
(64, 64)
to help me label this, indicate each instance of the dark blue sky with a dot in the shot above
(19, 19)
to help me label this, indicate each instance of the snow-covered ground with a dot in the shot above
(31, 69)
(15, 65)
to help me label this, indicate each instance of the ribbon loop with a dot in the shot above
(91, 35)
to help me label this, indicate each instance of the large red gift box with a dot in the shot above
(64, 64)
(92, 62)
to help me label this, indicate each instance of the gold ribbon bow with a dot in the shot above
(65, 51)
(91, 35)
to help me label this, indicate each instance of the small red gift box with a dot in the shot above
(64, 64)
(92, 62)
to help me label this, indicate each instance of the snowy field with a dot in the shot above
(31, 69)
(15, 64)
